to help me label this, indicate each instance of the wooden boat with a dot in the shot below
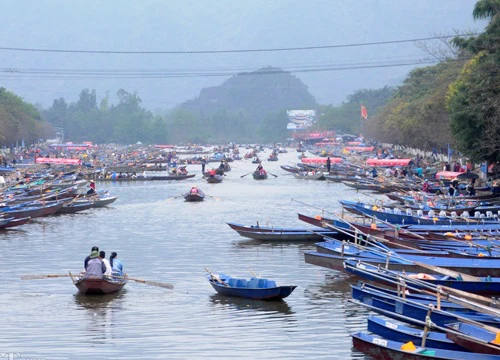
(13, 222)
(255, 288)
(33, 210)
(381, 348)
(257, 175)
(99, 286)
(103, 201)
(194, 196)
(310, 175)
(214, 179)
(281, 234)
(75, 207)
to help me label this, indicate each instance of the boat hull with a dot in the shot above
(99, 286)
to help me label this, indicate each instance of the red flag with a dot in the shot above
(364, 112)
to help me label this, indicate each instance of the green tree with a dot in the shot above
(473, 100)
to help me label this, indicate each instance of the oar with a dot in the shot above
(255, 274)
(214, 197)
(272, 174)
(172, 198)
(43, 276)
(216, 278)
(242, 176)
(148, 282)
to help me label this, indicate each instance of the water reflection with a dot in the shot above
(303, 245)
(101, 313)
(236, 303)
(336, 286)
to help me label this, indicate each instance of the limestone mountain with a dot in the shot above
(259, 93)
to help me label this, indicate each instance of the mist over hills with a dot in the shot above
(157, 25)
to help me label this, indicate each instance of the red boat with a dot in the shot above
(99, 286)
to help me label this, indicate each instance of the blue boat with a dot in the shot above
(390, 329)
(255, 288)
(415, 313)
(480, 266)
(381, 348)
(476, 338)
(482, 285)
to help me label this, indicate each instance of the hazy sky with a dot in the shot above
(164, 80)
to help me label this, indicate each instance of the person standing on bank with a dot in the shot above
(328, 164)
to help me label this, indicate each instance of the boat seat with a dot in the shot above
(442, 213)
(271, 284)
(397, 211)
(477, 214)
(388, 210)
(465, 215)
(431, 213)
(409, 212)
(253, 283)
(241, 283)
(454, 214)
(232, 282)
(489, 214)
(420, 213)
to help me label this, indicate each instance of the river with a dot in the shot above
(160, 237)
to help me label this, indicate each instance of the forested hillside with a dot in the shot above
(416, 114)
(347, 117)
(19, 121)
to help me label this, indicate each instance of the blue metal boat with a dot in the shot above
(381, 348)
(390, 329)
(482, 285)
(255, 288)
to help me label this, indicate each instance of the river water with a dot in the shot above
(162, 238)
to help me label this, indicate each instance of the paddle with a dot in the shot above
(148, 282)
(43, 276)
(176, 197)
(242, 176)
(214, 197)
(216, 278)
(272, 174)
(255, 274)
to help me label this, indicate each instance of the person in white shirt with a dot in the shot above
(108, 271)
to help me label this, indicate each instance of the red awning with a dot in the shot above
(41, 160)
(389, 162)
(360, 148)
(321, 160)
